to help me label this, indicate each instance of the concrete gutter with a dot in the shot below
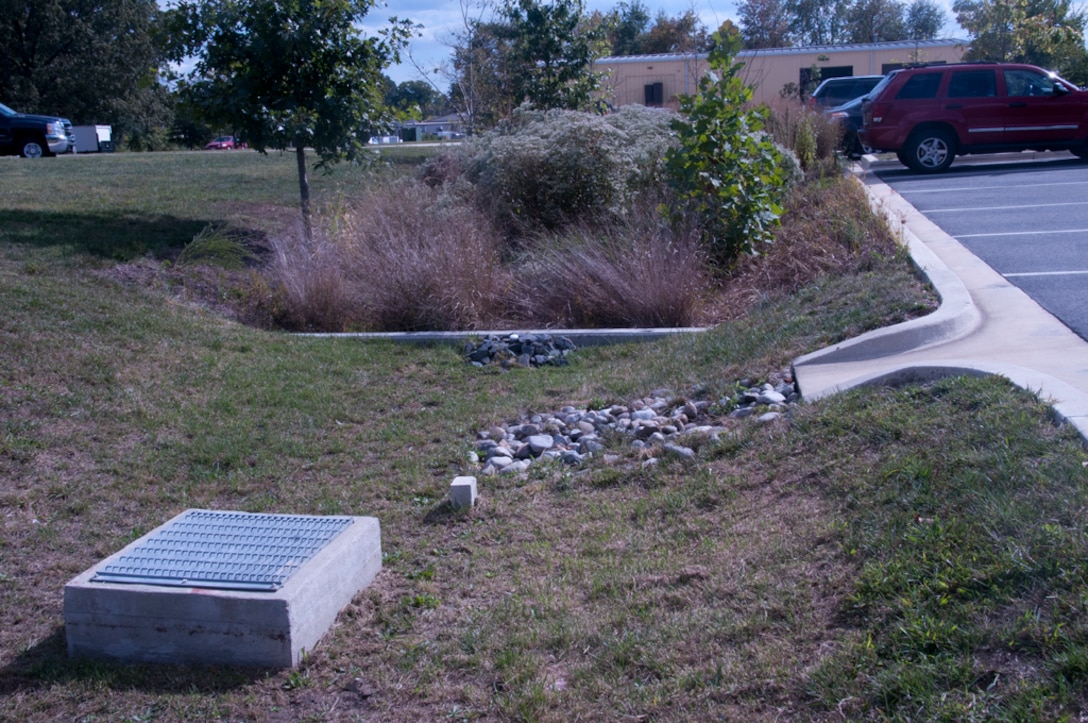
(984, 325)
(580, 337)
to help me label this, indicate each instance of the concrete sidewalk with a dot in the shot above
(984, 325)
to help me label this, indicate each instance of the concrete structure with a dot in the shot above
(659, 80)
(463, 492)
(166, 620)
(985, 325)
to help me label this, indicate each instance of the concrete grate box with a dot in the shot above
(222, 588)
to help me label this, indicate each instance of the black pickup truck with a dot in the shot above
(34, 136)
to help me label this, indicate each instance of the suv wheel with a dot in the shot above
(929, 151)
(32, 148)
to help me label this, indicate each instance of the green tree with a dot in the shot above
(871, 21)
(1048, 33)
(725, 169)
(765, 24)
(551, 53)
(289, 73)
(629, 22)
(93, 61)
(532, 52)
(924, 20)
(416, 99)
(681, 34)
(819, 22)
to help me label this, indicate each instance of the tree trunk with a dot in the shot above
(303, 189)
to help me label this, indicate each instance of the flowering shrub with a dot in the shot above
(544, 169)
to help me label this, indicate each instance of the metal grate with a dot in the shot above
(224, 550)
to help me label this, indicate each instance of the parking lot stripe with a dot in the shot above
(1004, 208)
(913, 191)
(1046, 273)
(1020, 233)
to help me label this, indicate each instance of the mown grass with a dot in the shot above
(910, 554)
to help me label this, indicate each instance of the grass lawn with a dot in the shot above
(907, 554)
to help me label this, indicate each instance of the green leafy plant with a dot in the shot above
(726, 170)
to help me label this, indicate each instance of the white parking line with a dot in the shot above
(1046, 273)
(912, 191)
(1020, 233)
(1003, 208)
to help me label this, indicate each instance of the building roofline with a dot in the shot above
(803, 50)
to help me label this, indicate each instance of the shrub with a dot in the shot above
(814, 137)
(542, 170)
(725, 170)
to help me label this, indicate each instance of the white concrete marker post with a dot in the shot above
(463, 492)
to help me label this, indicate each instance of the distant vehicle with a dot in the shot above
(930, 114)
(384, 140)
(836, 91)
(225, 143)
(34, 136)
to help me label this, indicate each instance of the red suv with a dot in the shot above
(928, 115)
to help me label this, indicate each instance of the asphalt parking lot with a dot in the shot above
(1027, 219)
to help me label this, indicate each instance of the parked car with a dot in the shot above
(836, 91)
(225, 143)
(848, 117)
(34, 136)
(930, 114)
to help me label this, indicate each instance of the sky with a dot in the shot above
(442, 18)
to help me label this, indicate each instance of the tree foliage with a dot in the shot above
(630, 31)
(93, 61)
(551, 53)
(765, 23)
(871, 21)
(533, 52)
(726, 169)
(781, 23)
(1048, 33)
(288, 73)
(924, 20)
(416, 99)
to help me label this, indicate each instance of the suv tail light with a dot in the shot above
(875, 112)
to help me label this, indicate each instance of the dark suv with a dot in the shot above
(929, 115)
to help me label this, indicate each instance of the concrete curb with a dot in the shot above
(985, 325)
(956, 316)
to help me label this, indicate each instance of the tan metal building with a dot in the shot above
(659, 80)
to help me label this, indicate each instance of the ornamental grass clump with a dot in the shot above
(400, 258)
(640, 271)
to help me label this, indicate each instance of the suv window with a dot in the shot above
(1021, 82)
(972, 84)
(923, 85)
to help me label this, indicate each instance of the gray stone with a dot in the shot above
(680, 451)
(540, 442)
(769, 417)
